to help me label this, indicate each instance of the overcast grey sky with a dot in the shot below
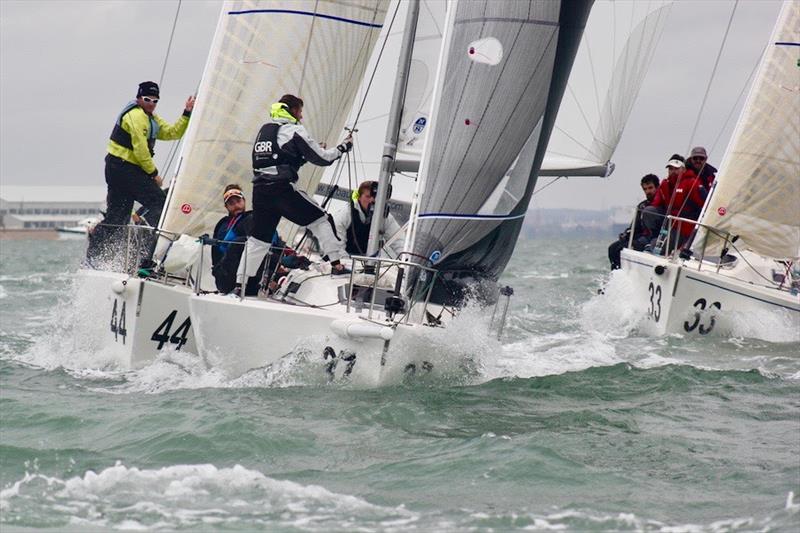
(66, 69)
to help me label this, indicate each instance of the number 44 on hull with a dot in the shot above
(138, 328)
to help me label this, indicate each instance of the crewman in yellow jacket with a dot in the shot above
(131, 174)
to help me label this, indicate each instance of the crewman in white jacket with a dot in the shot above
(353, 221)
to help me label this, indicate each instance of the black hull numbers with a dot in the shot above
(118, 322)
(179, 337)
(163, 333)
(655, 301)
(700, 306)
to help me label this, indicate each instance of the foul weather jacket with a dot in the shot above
(352, 229)
(282, 146)
(140, 126)
(689, 197)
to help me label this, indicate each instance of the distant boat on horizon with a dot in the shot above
(81, 227)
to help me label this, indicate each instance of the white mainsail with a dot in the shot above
(756, 195)
(315, 49)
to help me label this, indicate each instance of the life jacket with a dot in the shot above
(267, 153)
(357, 233)
(230, 233)
(123, 138)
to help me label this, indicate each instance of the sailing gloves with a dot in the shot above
(345, 147)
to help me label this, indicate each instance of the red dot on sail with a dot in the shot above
(471, 50)
(467, 122)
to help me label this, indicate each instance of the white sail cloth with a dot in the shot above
(615, 53)
(262, 50)
(757, 191)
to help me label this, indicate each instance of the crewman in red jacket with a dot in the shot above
(682, 194)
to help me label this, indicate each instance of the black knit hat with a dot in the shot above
(147, 88)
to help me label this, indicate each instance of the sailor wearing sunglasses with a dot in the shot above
(131, 174)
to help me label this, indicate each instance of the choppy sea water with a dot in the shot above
(575, 421)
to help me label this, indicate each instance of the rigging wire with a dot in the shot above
(546, 186)
(308, 47)
(738, 98)
(169, 44)
(375, 68)
(711, 79)
(173, 150)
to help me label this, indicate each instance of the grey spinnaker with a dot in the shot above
(493, 110)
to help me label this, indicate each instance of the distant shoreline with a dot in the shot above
(28, 234)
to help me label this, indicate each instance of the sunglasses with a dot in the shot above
(698, 158)
(150, 100)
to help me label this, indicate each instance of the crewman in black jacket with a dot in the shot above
(641, 235)
(281, 147)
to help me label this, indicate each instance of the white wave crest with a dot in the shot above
(186, 496)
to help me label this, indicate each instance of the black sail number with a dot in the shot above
(655, 301)
(700, 306)
(118, 321)
(178, 337)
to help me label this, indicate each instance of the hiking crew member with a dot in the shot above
(236, 227)
(281, 147)
(354, 219)
(697, 162)
(681, 194)
(641, 235)
(131, 174)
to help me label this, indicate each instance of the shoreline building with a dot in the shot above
(24, 207)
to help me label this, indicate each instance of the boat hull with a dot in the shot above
(131, 320)
(678, 297)
(241, 335)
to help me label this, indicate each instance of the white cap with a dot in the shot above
(676, 163)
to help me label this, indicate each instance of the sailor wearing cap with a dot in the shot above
(231, 232)
(698, 163)
(235, 227)
(131, 174)
(682, 194)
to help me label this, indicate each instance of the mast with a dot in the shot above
(376, 230)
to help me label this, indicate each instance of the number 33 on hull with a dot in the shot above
(694, 298)
(138, 328)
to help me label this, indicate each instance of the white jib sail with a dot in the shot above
(757, 191)
(615, 53)
(317, 50)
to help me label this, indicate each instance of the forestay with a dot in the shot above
(758, 186)
(317, 50)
